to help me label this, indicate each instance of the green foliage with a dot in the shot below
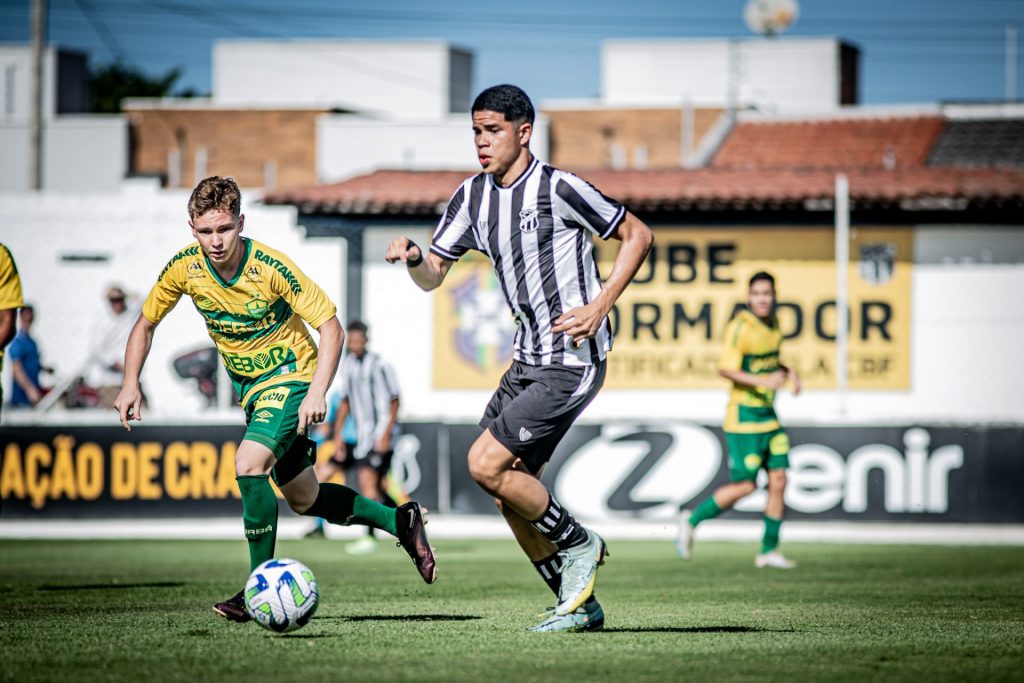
(112, 83)
(132, 611)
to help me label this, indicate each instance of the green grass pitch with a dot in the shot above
(131, 610)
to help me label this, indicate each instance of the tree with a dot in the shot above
(112, 83)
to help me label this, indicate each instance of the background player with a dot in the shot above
(255, 301)
(753, 435)
(536, 223)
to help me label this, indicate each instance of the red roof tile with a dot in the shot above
(399, 193)
(834, 144)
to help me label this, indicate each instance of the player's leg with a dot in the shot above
(369, 485)
(777, 463)
(745, 460)
(324, 471)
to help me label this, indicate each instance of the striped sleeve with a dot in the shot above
(166, 292)
(732, 346)
(389, 381)
(454, 236)
(583, 203)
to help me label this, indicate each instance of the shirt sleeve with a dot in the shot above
(165, 293)
(732, 346)
(302, 294)
(584, 204)
(454, 235)
(10, 282)
(383, 393)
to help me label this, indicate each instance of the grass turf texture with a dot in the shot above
(141, 611)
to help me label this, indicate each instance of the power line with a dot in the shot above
(100, 28)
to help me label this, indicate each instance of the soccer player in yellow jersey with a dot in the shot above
(254, 302)
(10, 301)
(753, 435)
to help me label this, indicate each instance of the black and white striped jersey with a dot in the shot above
(369, 384)
(538, 234)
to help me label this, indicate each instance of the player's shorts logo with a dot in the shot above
(528, 220)
(262, 416)
(524, 434)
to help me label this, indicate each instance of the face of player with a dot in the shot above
(218, 233)
(761, 298)
(501, 147)
(356, 340)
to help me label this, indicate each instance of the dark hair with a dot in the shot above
(358, 326)
(215, 193)
(762, 275)
(508, 100)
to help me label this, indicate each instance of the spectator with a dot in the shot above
(109, 339)
(25, 362)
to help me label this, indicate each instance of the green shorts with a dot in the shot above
(272, 418)
(748, 453)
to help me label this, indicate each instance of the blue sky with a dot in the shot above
(912, 50)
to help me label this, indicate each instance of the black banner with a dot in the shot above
(615, 471)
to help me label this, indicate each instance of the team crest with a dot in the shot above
(877, 262)
(257, 307)
(528, 220)
(484, 332)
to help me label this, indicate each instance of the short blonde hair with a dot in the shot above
(215, 193)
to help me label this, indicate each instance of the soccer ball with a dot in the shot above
(281, 595)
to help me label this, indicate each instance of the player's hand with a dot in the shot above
(775, 381)
(797, 385)
(312, 410)
(128, 405)
(402, 249)
(581, 323)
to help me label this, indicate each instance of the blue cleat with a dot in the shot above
(589, 617)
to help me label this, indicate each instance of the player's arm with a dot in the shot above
(792, 376)
(128, 403)
(583, 322)
(22, 379)
(338, 429)
(772, 381)
(7, 327)
(426, 270)
(389, 403)
(314, 406)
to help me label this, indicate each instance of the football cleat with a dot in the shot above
(579, 573)
(684, 537)
(589, 617)
(233, 609)
(773, 559)
(412, 537)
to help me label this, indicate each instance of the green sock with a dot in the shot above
(341, 505)
(259, 514)
(770, 541)
(706, 510)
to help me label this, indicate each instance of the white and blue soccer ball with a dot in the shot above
(281, 595)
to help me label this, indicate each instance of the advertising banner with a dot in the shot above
(669, 321)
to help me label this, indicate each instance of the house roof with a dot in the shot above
(408, 193)
(836, 143)
(992, 142)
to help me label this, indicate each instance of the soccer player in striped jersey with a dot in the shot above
(255, 303)
(753, 435)
(536, 224)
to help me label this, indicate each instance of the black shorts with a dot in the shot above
(379, 462)
(535, 405)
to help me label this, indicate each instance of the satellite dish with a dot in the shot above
(770, 17)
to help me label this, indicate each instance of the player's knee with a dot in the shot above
(484, 468)
(747, 486)
(777, 479)
(301, 500)
(251, 467)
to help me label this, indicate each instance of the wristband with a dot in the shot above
(412, 263)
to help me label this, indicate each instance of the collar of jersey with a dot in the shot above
(525, 174)
(238, 273)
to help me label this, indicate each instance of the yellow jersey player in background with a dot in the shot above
(10, 301)
(753, 435)
(255, 303)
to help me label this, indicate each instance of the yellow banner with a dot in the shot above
(668, 323)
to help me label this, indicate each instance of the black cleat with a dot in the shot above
(233, 609)
(412, 537)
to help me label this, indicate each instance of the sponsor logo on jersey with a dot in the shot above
(204, 302)
(256, 363)
(253, 272)
(195, 267)
(262, 416)
(273, 398)
(286, 272)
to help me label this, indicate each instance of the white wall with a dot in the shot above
(137, 230)
(410, 78)
(348, 145)
(81, 152)
(16, 82)
(779, 74)
(968, 319)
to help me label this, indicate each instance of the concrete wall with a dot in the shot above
(81, 152)
(410, 78)
(352, 145)
(780, 74)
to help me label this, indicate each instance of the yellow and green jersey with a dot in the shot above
(10, 287)
(255, 318)
(752, 346)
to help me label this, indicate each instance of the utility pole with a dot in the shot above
(1011, 62)
(35, 143)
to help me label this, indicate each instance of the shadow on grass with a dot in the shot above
(696, 629)
(403, 617)
(111, 586)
